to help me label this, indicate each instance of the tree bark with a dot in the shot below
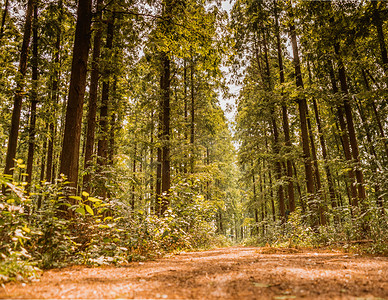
(344, 136)
(5, 12)
(350, 126)
(17, 105)
(192, 113)
(302, 103)
(93, 95)
(34, 98)
(165, 88)
(73, 122)
(102, 151)
(286, 127)
(54, 99)
(380, 34)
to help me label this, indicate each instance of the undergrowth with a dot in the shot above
(37, 233)
(365, 233)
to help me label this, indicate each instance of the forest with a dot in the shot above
(130, 129)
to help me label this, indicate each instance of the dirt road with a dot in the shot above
(228, 273)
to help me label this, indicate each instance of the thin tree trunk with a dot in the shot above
(42, 168)
(377, 117)
(152, 200)
(286, 127)
(302, 103)
(278, 168)
(256, 203)
(344, 136)
(165, 88)
(378, 22)
(54, 100)
(93, 95)
(350, 127)
(298, 188)
(192, 113)
(72, 132)
(102, 151)
(5, 12)
(185, 111)
(134, 175)
(17, 105)
(34, 98)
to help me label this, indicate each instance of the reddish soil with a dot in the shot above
(228, 273)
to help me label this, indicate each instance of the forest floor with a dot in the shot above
(226, 273)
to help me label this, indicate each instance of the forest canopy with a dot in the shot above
(115, 145)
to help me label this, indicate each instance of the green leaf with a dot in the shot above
(76, 198)
(92, 199)
(89, 209)
(85, 194)
(80, 210)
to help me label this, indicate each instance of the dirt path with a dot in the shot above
(228, 273)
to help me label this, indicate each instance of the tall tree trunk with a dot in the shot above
(93, 95)
(73, 122)
(192, 113)
(286, 127)
(376, 114)
(322, 205)
(256, 203)
(276, 148)
(158, 183)
(186, 115)
(325, 156)
(344, 136)
(102, 151)
(134, 175)
(5, 12)
(350, 126)
(378, 22)
(34, 98)
(54, 100)
(302, 103)
(17, 105)
(152, 200)
(165, 88)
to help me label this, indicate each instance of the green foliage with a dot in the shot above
(15, 233)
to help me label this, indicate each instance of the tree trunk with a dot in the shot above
(185, 112)
(102, 151)
(278, 168)
(302, 103)
(5, 12)
(325, 156)
(344, 136)
(350, 126)
(380, 34)
(34, 98)
(286, 127)
(165, 88)
(192, 124)
(17, 105)
(73, 122)
(134, 175)
(93, 95)
(54, 100)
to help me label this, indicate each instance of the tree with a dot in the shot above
(72, 133)
(17, 105)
